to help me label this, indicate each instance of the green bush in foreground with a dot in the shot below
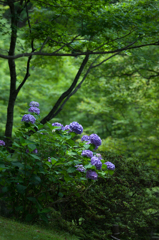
(126, 199)
(47, 167)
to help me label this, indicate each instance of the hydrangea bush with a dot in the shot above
(47, 166)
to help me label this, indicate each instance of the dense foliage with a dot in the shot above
(125, 199)
(92, 62)
(32, 29)
(46, 166)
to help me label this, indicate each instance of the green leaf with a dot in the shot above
(16, 145)
(17, 164)
(111, 172)
(53, 160)
(5, 189)
(88, 166)
(21, 189)
(60, 194)
(32, 146)
(35, 179)
(2, 166)
(35, 156)
(45, 210)
(71, 169)
(32, 199)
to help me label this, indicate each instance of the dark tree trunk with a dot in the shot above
(12, 69)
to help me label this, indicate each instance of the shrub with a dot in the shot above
(45, 168)
(125, 199)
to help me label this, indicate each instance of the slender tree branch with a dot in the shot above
(77, 54)
(75, 90)
(47, 39)
(66, 44)
(65, 94)
(27, 75)
(113, 40)
(105, 60)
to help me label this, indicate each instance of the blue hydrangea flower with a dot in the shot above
(87, 153)
(28, 118)
(76, 127)
(34, 104)
(34, 110)
(85, 138)
(56, 124)
(91, 175)
(80, 168)
(110, 166)
(95, 139)
(96, 162)
(49, 159)
(2, 143)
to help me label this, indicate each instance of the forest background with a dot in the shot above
(116, 43)
(118, 98)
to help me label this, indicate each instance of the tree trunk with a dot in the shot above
(12, 68)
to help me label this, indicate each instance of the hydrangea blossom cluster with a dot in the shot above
(110, 166)
(34, 110)
(80, 168)
(87, 153)
(28, 118)
(34, 104)
(91, 175)
(95, 139)
(96, 162)
(85, 138)
(73, 127)
(66, 127)
(2, 143)
(57, 124)
(76, 127)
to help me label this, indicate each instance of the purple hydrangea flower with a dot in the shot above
(87, 153)
(85, 138)
(56, 124)
(95, 139)
(35, 151)
(34, 110)
(49, 159)
(66, 127)
(80, 168)
(91, 175)
(96, 162)
(110, 166)
(34, 104)
(76, 127)
(2, 143)
(28, 118)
